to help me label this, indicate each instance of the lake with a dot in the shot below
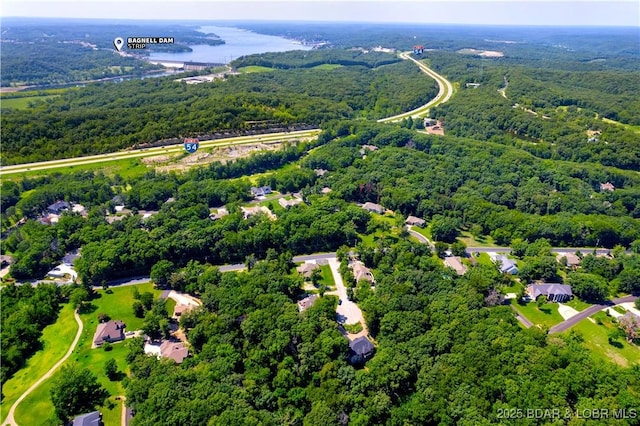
(237, 43)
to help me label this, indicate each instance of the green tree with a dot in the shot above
(459, 248)
(78, 297)
(138, 309)
(160, 273)
(589, 287)
(111, 369)
(441, 249)
(77, 391)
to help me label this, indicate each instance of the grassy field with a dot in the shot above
(56, 340)
(127, 168)
(547, 315)
(117, 303)
(327, 67)
(470, 241)
(597, 340)
(255, 68)
(24, 103)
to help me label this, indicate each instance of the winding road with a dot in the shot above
(10, 417)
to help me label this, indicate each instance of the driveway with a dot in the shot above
(347, 312)
(565, 325)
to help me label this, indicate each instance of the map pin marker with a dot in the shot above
(118, 42)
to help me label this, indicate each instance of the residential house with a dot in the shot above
(307, 302)
(361, 272)
(174, 350)
(552, 291)
(5, 260)
(415, 221)
(261, 191)
(220, 212)
(320, 172)
(361, 350)
(90, 419)
(247, 212)
(366, 148)
(455, 263)
(289, 203)
(58, 207)
(110, 331)
(505, 264)
(573, 261)
(325, 190)
(607, 187)
(306, 269)
(374, 208)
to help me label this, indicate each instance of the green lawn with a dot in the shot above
(255, 68)
(56, 340)
(470, 241)
(423, 231)
(596, 339)
(37, 408)
(327, 277)
(127, 168)
(484, 259)
(23, 103)
(327, 67)
(547, 315)
(577, 304)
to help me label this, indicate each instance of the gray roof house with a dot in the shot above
(553, 292)
(373, 207)
(506, 265)
(58, 207)
(90, 419)
(361, 350)
(260, 191)
(306, 269)
(412, 220)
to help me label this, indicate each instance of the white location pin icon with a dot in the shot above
(118, 42)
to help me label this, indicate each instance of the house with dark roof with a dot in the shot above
(110, 331)
(361, 350)
(58, 207)
(261, 191)
(552, 291)
(90, 419)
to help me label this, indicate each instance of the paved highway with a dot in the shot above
(444, 94)
(161, 150)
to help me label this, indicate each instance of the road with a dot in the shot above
(10, 417)
(161, 150)
(559, 250)
(565, 325)
(444, 93)
(521, 318)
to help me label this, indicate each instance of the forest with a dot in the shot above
(144, 111)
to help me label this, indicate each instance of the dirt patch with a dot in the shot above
(221, 154)
(158, 159)
(483, 53)
(436, 129)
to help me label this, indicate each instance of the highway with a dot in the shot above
(444, 94)
(161, 150)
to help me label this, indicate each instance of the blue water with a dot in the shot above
(237, 43)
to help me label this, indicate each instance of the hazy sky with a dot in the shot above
(508, 12)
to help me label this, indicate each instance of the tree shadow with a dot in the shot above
(616, 344)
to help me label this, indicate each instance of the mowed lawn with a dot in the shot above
(327, 277)
(597, 340)
(56, 340)
(546, 315)
(37, 409)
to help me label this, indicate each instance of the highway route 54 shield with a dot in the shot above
(191, 145)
